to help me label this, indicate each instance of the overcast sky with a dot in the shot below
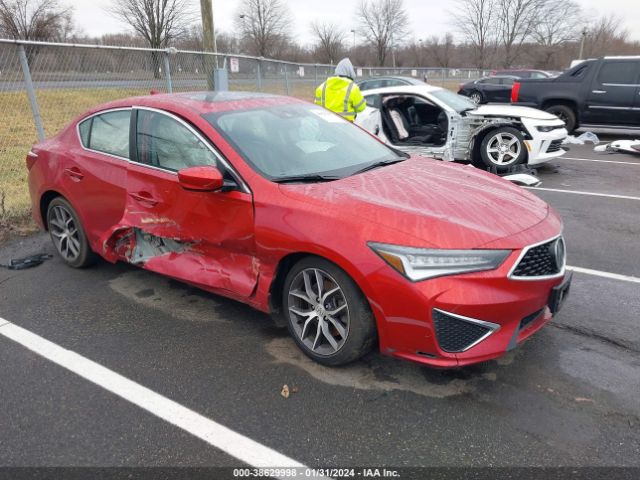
(428, 17)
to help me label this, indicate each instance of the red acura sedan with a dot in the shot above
(285, 206)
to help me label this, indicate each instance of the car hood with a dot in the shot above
(512, 111)
(424, 202)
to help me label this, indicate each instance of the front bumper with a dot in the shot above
(544, 146)
(505, 311)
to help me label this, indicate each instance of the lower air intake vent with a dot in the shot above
(457, 334)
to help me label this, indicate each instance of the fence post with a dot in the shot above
(286, 78)
(167, 72)
(444, 72)
(316, 74)
(35, 110)
(258, 75)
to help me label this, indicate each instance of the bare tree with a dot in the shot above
(558, 23)
(159, 22)
(43, 20)
(515, 22)
(475, 19)
(605, 36)
(330, 41)
(265, 24)
(441, 50)
(382, 23)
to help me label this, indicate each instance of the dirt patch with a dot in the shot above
(384, 374)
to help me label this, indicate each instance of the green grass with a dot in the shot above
(18, 134)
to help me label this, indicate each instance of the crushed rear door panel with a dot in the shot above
(204, 238)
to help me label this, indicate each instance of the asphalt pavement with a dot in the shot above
(567, 397)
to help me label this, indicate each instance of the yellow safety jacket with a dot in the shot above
(341, 95)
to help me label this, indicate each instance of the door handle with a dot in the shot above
(599, 91)
(74, 173)
(144, 197)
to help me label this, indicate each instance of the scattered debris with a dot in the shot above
(285, 391)
(619, 146)
(586, 137)
(584, 400)
(27, 262)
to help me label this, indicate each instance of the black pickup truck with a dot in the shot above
(603, 92)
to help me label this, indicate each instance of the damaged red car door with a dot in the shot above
(203, 237)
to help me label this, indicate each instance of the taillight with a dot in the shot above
(31, 159)
(515, 92)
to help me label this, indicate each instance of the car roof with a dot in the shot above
(412, 80)
(423, 88)
(513, 77)
(200, 102)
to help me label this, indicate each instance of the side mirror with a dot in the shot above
(201, 179)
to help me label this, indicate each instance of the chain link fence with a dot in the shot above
(43, 86)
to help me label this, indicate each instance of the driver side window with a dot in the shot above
(166, 143)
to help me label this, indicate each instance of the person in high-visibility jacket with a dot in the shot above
(340, 94)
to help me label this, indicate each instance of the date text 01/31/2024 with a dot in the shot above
(315, 472)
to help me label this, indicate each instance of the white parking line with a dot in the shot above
(599, 161)
(243, 448)
(598, 273)
(577, 192)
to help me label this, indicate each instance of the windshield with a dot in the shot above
(457, 102)
(295, 140)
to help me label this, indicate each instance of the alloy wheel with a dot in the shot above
(318, 311)
(503, 148)
(64, 232)
(475, 98)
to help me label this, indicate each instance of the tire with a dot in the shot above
(564, 113)
(502, 149)
(476, 97)
(351, 326)
(68, 235)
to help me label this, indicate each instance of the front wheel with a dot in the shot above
(328, 316)
(502, 149)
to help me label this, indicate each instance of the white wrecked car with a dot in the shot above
(438, 123)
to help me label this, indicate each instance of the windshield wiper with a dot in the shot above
(313, 178)
(381, 163)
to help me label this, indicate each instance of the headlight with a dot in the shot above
(422, 263)
(548, 128)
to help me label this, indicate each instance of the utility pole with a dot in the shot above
(208, 41)
(584, 36)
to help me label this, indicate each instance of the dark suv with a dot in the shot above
(602, 92)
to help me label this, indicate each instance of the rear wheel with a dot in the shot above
(502, 149)
(328, 316)
(67, 234)
(564, 113)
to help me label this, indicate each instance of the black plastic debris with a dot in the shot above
(27, 262)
